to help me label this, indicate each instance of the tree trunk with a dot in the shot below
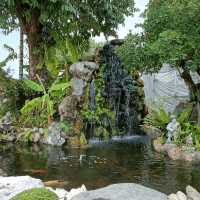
(34, 57)
(21, 54)
(193, 87)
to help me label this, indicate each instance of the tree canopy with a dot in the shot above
(171, 31)
(45, 21)
(171, 35)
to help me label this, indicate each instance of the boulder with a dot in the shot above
(78, 86)
(181, 195)
(6, 123)
(192, 193)
(83, 70)
(55, 135)
(175, 153)
(68, 108)
(10, 186)
(152, 132)
(125, 191)
(173, 197)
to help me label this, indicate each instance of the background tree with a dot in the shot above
(171, 35)
(43, 21)
(21, 54)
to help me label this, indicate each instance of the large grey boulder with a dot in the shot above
(125, 191)
(10, 186)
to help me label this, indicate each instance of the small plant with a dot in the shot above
(158, 118)
(184, 116)
(43, 104)
(36, 194)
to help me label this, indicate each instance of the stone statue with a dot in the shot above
(172, 129)
(189, 141)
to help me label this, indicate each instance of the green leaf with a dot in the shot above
(32, 105)
(73, 51)
(33, 85)
(60, 86)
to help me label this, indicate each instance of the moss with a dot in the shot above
(36, 194)
(83, 140)
(106, 134)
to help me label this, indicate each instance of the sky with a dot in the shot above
(13, 38)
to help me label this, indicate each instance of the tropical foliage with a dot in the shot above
(42, 104)
(44, 22)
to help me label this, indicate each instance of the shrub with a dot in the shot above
(36, 194)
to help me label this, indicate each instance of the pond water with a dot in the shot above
(128, 160)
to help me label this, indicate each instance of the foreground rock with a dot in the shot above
(125, 191)
(191, 194)
(175, 152)
(10, 186)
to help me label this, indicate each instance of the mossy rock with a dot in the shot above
(83, 140)
(36, 194)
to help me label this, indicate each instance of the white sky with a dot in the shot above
(13, 38)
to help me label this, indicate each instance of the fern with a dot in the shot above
(185, 115)
(157, 118)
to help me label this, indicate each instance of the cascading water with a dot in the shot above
(92, 96)
(121, 90)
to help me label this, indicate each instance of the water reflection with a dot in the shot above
(131, 160)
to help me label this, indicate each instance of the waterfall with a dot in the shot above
(120, 90)
(92, 95)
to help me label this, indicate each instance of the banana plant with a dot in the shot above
(44, 101)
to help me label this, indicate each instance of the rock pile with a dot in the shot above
(191, 194)
(175, 152)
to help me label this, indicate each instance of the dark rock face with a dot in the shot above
(124, 92)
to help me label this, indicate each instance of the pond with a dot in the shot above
(122, 160)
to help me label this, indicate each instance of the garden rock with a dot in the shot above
(6, 123)
(125, 191)
(36, 137)
(78, 86)
(181, 195)
(55, 137)
(83, 70)
(68, 108)
(152, 132)
(192, 193)
(173, 197)
(174, 153)
(10, 186)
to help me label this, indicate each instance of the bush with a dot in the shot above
(36, 194)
